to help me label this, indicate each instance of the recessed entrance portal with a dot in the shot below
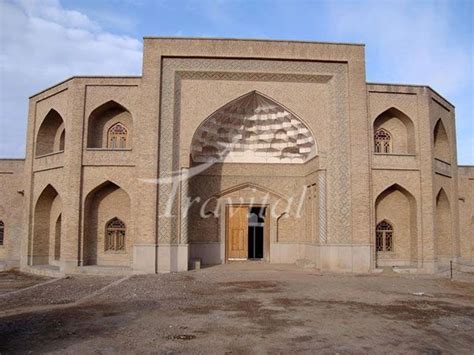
(247, 233)
(256, 222)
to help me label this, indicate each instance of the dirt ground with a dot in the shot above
(239, 308)
(12, 281)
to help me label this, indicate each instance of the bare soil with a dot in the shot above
(14, 280)
(242, 308)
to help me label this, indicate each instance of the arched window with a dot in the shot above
(115, 235)
(384, 237)
(2, 231)
(117, 136)
(382, 141)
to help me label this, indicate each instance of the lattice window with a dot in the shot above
(384, 237)
(382, 141)
(115, 235)
(2, 232)
(117, 136)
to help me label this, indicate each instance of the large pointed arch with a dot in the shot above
(102, 119)
(441, 143)
(48, 207)
(395, 186)
(49, 134)
(253, 129)
(443, 226)
(397, 205)
(401, 129)
(101, 205)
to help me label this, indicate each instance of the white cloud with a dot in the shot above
(42, 44)
(51, 10)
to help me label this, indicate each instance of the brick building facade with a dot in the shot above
(234, 150)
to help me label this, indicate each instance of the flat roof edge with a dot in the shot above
(86, 77)
(414, 85)
(253, 39)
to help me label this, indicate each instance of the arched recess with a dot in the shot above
(48, 208)
(441, 142)
(253, 129)
(103, 119)
(105, 203)
(398, 206)
(401, 131)
(57, 238)
(60, 141)
(49, 134)
(2, 233)
(443, 225)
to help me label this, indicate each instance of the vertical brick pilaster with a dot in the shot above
(72, 210)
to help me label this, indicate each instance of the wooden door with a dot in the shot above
(237, 232)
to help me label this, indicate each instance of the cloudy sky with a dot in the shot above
(44, 42)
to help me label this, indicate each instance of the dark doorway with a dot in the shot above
(256, 224)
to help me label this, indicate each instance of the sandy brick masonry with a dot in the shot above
(312, 97)
(11, 210)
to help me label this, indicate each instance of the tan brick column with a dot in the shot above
(71, 199)
(146, 126)
(25, 249)
(426, 205)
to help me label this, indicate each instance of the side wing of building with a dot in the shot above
(12, 207)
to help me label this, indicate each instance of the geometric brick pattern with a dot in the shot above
(337, 154)
(322, 207)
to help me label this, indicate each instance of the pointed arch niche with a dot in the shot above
(398, 130)
(107, 202)
(253, 129)
(51, 134)
(46, 240)
(396, 206)
(441, 142)
(443, 225)
(110, 126)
